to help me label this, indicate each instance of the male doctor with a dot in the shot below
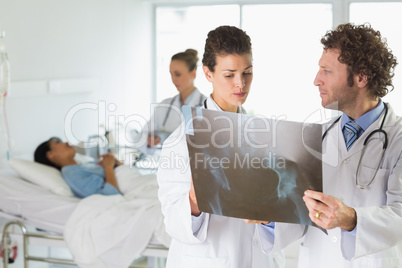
(361, 203)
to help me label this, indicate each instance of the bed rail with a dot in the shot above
(25, 236)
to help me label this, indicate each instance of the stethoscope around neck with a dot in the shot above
(366, 140)
(170, 108)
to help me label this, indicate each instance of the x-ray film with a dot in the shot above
(252, 167)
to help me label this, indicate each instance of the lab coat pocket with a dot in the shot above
(200, 262)
(372, 185)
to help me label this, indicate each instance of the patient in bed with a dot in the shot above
(84, 179)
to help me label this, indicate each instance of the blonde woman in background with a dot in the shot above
(167, 115)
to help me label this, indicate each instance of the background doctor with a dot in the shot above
(361, 206)
(202, 239)
(166, 116)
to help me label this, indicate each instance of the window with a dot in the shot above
(186, 27)
(286, 48)
(386, 18)
(286, 57)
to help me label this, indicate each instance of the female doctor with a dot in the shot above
(201, 239)
(167, 115)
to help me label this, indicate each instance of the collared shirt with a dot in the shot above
(363, 121)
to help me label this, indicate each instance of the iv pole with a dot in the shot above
(4, 86)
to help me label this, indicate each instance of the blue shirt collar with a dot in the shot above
(367, 119)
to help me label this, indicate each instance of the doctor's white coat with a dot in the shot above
(377, 241)
(207, 241)
(167, 115)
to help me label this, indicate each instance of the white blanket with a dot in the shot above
(111, 231)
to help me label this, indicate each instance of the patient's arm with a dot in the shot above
(109, 162)
(153, 140)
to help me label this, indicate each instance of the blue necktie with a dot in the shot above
(352, 129)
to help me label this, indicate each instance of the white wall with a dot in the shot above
(109, 40)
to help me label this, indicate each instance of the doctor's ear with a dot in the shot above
(208, 73)
(362, 80)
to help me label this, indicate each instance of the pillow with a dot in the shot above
(45, 176)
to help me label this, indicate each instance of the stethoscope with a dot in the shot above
(384, 147)
(171, 105)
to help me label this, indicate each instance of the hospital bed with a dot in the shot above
(39, 216)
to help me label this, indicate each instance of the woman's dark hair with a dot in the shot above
(225, 40)
(190, 57)
(365, 52)
(41, 151)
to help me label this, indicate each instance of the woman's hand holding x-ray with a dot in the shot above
(329, 212)
(193, 201)
(256, 221)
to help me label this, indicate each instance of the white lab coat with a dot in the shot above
(207, 241)
(174, 117)
(378, 238)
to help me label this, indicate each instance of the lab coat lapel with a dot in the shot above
(211, 105)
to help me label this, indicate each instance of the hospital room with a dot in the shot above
(125, 87)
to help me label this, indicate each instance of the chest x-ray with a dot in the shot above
(253, 167)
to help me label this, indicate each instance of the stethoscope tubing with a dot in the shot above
(170, 108)
(385, 145)
(380, 130)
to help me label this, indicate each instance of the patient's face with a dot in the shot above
(61, 149)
